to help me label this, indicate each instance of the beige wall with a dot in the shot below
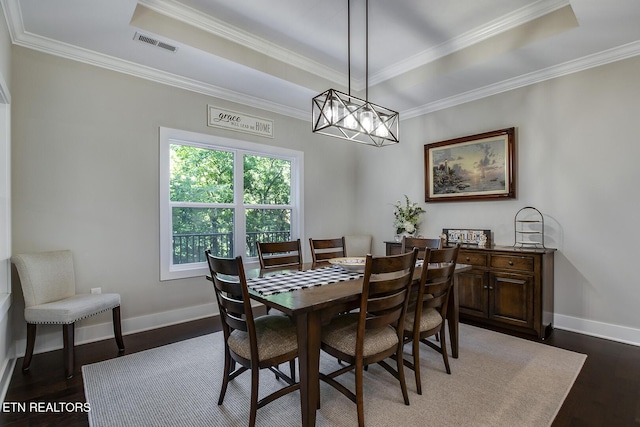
(85, 177)
(577, 162)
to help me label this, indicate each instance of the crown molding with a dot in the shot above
(590, 61)
(31, 41)
(56, 48)
(92, 58)
(13, 17)
(222, 29)
(470, 38)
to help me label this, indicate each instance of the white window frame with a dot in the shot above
(169, 271)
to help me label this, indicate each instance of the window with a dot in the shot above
(223, 195)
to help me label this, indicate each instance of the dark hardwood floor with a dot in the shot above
(606, 393)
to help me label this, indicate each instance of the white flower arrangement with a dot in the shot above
(406, 216)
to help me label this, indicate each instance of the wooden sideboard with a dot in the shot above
(507, 287)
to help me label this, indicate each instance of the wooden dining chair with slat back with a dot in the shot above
(254, 343)
(408, 243)
(427, 317)
(280, 254)
(374, 333)
(323, 250)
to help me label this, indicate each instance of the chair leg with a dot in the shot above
(31, 341)
(255, 376)
(117, 328)
(228, 367)
(403, 382)
(359, 392)
(292, 368)
(68, 342)
(445, 356)
(416, 365)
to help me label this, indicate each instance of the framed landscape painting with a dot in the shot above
(474, 167)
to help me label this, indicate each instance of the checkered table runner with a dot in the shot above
(292, 281)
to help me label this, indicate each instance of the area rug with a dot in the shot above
(499, 380)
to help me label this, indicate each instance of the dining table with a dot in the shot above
(312, 305)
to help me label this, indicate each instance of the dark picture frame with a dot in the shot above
(474, 167)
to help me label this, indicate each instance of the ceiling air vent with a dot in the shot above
(150, 40)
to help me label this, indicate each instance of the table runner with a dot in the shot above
(292, 281)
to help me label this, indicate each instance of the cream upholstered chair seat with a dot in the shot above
(429, 319)
(72, 309)
(275, 336)
(342, 334)
(49, 289)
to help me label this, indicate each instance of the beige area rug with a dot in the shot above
(498, 380)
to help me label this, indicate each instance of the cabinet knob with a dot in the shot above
(467, 258)
(510, 262)
(485, 287)
(490, 288)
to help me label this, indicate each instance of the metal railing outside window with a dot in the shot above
(189, 248)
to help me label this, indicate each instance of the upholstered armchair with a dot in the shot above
(49, 289)
(358, 245)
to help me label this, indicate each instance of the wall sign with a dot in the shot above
(239, 122)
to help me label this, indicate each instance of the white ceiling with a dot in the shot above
(423, 54)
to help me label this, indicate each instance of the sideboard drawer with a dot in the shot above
(513, 262)
(472, 258)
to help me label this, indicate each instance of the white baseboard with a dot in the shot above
(593, 328)
(52, 340)
(50, 337)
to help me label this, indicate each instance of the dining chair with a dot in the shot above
(408, 243)
(49, 288)
(426, 317)
(374, 333)
(323, 250)
(280, 254)
(254, 343)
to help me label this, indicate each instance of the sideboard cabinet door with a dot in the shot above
(511, 299)
(472, 290)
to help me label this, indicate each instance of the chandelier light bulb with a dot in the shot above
(350, 118)
(381, 129)
(366, 120)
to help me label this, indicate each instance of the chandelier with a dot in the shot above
(345, 116)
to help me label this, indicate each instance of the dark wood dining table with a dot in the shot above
(310, 308)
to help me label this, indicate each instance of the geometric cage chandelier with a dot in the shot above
(342, 115)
